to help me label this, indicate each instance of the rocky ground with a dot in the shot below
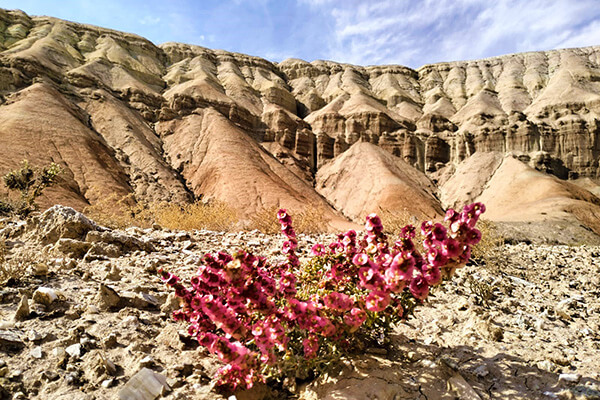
(86, 317)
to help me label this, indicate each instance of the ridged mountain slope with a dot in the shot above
(120, 113)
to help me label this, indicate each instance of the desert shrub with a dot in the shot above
(2, 258)
(395, 220)
(214, 215)
(263, 221)
(14, 267)
(311, 219)
(29, 182)
(119, 212)
(489, 251)
(287, 320)
(122, 212)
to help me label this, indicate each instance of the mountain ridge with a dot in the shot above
(128, 94)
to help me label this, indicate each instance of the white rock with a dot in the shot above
(74, 350)
(107, 383)
(574, 378)
(145, 385)
(36, 352)
(7, 324)
(33, 336)
(44, 296)
(58, 352)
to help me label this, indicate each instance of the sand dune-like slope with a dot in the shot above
(368, 179)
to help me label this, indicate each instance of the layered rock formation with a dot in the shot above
(175, 121)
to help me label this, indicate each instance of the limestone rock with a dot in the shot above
(45, 296)
(145, 385)
(107, 297)
(22, 311)
(62, 222)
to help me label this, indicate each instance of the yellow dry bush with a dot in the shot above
(119, 212)
(122, 212)
(488, 251)
(312, 219)
(394, 220)
(265, 220)
(16, 266)
(214, 216)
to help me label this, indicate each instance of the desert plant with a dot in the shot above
(489, 251)
(29, 182)
(117, 212)
(4, 272)
(311, 219)
(213, 215)
(395, 220)
(19, 263)
(287, 320)
(124, 211)
(8, 269)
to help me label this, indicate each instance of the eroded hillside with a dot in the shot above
(175, 121)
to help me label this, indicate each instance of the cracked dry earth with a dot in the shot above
(97, 323)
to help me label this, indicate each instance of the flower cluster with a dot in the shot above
(255, 315)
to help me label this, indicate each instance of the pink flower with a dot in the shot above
(403, 264)
(432, 275)
(451, 215)
(318, 249)
(450, 248)
(384, 260)
(436, 257)
(419, 287)
(395, 279)
(408, 232)
(370, 278)
(473, 236)
(360, 259)
(284, 217)
(426, 227)
(355, 318)
(288, 247)
(439, 232)
(338, 301)
(373, 223)
(377, 301)
(479, 208)
(311, 346)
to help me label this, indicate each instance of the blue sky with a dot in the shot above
(369, 32)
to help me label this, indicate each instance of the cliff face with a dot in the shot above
(112, 108)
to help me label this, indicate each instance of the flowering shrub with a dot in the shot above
(280, 320)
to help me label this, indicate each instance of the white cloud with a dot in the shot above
(416, 33)
(149, 20)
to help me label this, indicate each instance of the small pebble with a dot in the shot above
(74, 350)
(50, 375)
(40, 269)
(36, 352)
(571, 378)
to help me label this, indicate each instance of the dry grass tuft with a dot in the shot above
(119, 212)
(8, 268)
(215, 216)
(488, 252)
(311, 220)
(123, 212)
(394, 221)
